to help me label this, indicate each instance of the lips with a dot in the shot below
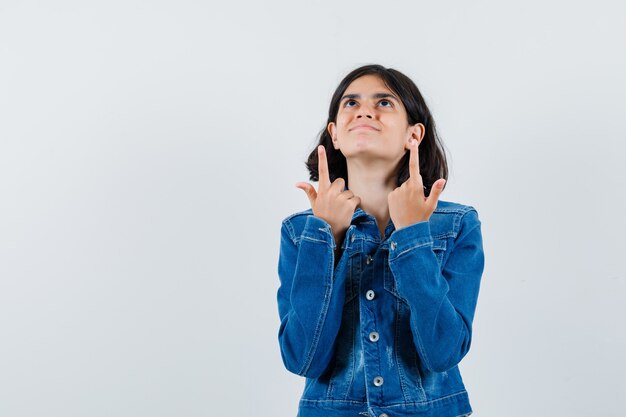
(363, 127)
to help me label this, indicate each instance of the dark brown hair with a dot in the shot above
(433, 164)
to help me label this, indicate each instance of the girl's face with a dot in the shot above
(372, 122)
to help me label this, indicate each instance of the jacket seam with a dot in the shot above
(290, 231)
(404, 404)
(467, 233)
(436, 400)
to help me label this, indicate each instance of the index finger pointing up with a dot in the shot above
(414, 163)
(322, 167)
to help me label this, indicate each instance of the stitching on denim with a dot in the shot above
(450, 210)
(429, 243)
(388, 277)
(396, 341)
(456, 223)
(421, 403)
(461, 210)
(467, 233)
(315, 402)
(394, 405)
(290, 231)
(443, 236)
(311, 239)
(440, 244)
(350, 293)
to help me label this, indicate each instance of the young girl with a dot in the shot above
(379, 279)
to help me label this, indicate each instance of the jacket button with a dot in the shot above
(374, 337)
(393, 245)
(370, 295)
(368, 260)
(383, 415)
(378, 381)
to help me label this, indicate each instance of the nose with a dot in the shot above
(364, 111)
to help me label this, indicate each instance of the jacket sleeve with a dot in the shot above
(442, 301)
(310, 297)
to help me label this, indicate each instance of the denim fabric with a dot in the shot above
(380, 332)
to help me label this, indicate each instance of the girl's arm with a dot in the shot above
(442, 301)
(310, 297)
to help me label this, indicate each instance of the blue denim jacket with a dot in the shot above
(380, 332)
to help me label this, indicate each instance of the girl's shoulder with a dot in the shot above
(451, 218)
(295, 223)
(444, 206)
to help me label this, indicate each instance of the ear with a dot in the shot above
(332, 131)
(417, 132)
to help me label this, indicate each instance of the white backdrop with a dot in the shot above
(149, 151)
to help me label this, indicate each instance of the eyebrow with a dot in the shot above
(376, 95)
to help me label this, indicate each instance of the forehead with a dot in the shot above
(368, 83)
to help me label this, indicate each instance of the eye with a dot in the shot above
(350, 103)
(385, 103)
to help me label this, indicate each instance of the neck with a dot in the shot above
(372, 183)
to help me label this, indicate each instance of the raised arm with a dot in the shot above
(442, 301)
(310, 298)
(312, 292)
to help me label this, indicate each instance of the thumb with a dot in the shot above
(309, 190)
(435, 191)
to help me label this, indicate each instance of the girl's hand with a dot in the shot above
(331, 203)
(407, 204)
